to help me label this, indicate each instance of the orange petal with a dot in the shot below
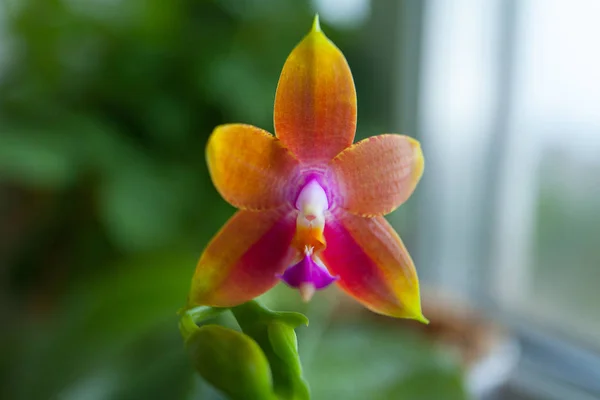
(249, 166)
(315, 103)
(378, 174)
(242, 260)
(373, 265)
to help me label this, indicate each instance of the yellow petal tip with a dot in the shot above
(316, 26)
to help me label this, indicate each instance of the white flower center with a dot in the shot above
(312, 203)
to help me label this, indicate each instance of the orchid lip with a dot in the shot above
(308, 275)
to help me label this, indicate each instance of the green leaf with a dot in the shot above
(274, 332)
(285, 345)
(254, 313)
(232, 362)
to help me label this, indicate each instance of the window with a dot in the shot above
(509, 117)
(547, 254)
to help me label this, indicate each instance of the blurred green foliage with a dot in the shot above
(372, 363)
(105, 199)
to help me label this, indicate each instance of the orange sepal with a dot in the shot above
(315, 103)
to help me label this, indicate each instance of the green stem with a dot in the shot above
(192, 317)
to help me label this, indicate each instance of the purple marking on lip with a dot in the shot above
(307, 271)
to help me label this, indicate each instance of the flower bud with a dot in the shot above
(232, 362)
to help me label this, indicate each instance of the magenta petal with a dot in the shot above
(307, 271)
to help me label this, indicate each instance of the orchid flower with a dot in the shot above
(310, 202)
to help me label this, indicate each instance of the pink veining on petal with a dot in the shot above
(255, 271)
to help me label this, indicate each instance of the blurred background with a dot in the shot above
(106, 203)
